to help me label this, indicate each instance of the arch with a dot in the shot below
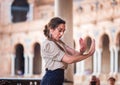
(19, 9)
(37, 60)
(105, 58)
(19, 59)
(88, 61)
(105, 41)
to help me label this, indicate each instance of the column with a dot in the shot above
(99, 60)
(12, 64)
(111, 61)
(95, 61)
(63, 9)
(80, 68)
(30, 64)
(116, 58)
(26, 65)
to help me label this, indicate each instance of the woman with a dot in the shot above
(57, 54)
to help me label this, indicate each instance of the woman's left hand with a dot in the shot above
(82, 45)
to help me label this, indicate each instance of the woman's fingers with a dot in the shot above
(92, 47)
(82, 45)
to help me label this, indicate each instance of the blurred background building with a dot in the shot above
(21, 34)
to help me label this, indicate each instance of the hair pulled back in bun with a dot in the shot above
(53, 24)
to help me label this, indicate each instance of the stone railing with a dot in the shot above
(20, 81)
(26, 81)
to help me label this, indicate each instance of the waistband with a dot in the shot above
(60, 69)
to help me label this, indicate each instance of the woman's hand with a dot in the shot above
(82, 45)
(76, 58)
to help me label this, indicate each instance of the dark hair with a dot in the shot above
(53, 24)
(112, 78)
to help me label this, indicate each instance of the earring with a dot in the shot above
(50, 35)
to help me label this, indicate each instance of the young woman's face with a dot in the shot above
(58, 32)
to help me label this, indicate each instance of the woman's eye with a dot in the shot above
(60, 30)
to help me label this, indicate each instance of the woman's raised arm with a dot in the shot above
(76, 58)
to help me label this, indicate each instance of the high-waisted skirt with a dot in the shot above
(55, 77)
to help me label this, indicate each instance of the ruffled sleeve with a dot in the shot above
(52, 51)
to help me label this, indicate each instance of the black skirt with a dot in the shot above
(55, 77)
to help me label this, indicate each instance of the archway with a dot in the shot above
(89, 61)
(105, 54)
(37, 62)
(19, 59)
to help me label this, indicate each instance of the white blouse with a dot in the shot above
(52, 55)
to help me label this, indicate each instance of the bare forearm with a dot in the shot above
(72, 51)
(73, 59)
(80, 58)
